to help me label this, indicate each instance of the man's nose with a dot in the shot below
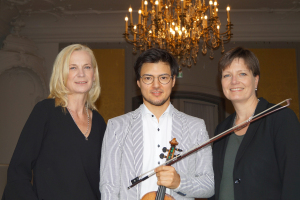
(156, 82)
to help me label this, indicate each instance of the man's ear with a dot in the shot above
(173, 81)
(138, 83)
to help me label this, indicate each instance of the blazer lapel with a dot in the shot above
(177, 128)
(137, 140)
(252, 130)
(180, 132)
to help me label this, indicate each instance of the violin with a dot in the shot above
(161, 192)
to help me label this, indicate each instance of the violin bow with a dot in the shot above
(170, 162)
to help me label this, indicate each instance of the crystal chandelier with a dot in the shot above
(180, 27)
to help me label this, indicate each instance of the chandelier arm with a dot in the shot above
(152, 2)
(226, 41)
(127, 39)
(208, 45)
(228, 30)
(131, 28)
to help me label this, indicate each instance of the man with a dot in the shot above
(133, 142)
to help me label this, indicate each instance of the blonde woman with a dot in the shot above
(60, 145)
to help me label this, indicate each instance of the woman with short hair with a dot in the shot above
(259, 161)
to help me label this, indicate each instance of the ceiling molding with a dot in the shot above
(110, 27)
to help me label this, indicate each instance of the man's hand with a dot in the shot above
(167, 176)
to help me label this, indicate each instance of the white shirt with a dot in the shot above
(156, 135)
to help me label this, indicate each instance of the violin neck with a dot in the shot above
(160, 195)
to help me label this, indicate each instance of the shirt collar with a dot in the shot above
(146, 111)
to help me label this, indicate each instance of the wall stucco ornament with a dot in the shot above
(19, 51)
(23, 84)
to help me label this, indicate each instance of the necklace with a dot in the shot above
(240, 128)
(84, 134)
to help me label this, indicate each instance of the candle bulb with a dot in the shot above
(126, 24)
(204, 22)
(153, 30)
(130, 11)
(159, 6)
(156, 8)
(210, 9)
(167, 12)
(179, 35)
(134, 34)
(140, 17)
(228, 16)
(149, 42)
(181, 6)
(215, 8)
(146, 4)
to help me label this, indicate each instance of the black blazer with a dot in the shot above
(267, 164)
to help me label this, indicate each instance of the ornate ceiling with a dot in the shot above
(284, 10)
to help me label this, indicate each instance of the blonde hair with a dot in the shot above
(59, 77)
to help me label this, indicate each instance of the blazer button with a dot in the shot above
(237, 181)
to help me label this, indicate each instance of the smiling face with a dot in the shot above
(156, 94)
(238, 82)
(81, 73)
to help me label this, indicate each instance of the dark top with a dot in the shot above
(267, 162)
(227, 185)
(65, 165)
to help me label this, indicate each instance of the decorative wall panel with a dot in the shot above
(111, 63)
(278, 79)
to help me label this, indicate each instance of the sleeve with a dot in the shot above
(287, 137)
(201, 183)
(19, 174)
(110, 165)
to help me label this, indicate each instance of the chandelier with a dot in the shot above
(180, 27)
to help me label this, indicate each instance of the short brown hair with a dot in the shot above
(155, 55)
(248, 56)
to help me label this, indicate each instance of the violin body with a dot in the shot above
(152, 196)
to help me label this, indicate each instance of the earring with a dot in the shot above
(255, 89)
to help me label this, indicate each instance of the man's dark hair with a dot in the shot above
(249, 58)
(155, 55)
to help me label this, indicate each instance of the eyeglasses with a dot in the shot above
(163, 79)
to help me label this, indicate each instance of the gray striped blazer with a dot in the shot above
(122, 156)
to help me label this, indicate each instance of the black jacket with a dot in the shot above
(64, 164)
(267, 164)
